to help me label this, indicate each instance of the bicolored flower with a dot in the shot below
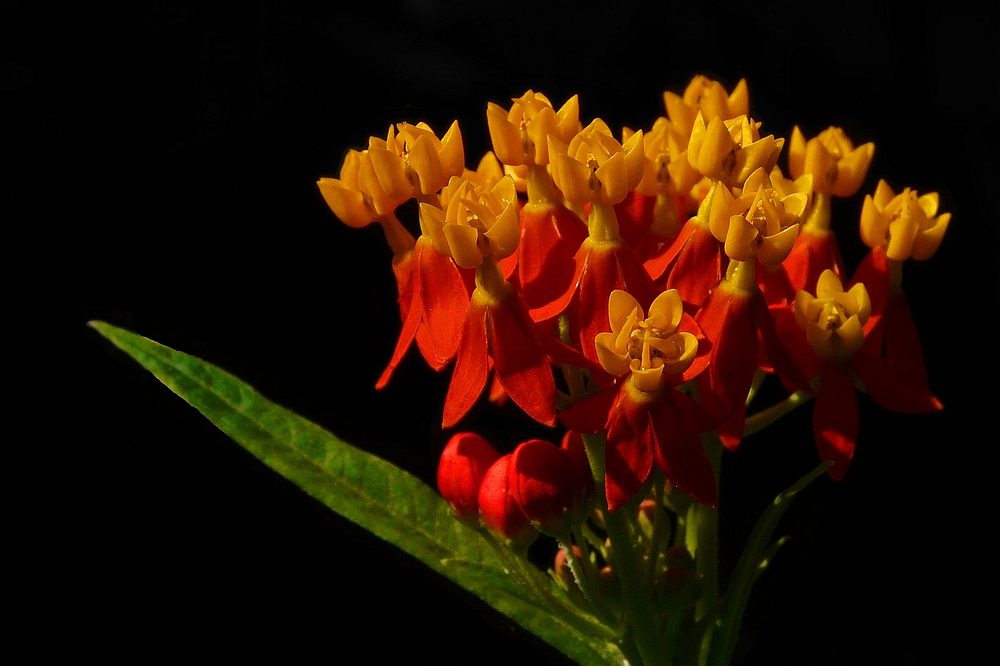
(645, 419)
(837, 167)
(412, 162)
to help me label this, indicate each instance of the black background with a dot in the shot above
(164, 165)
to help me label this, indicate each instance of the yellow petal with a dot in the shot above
(390, 169)
(571, 178)
(775, 248)
(615, 363)
(621, 305)
(673, 362)
(506, 138)
(851, 334)
(927, 243)
(613, 178)
(462, 242)
(646, 379)
(852, 170)
(347, 205)
(862, 303)
(452, 154)
(432, 225)
(739, 238)
(424, 160)
(505, 232)
(669, 306)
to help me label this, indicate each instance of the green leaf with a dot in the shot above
(384, 499)
(756, 557)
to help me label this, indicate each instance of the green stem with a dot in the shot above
(769, 415)
(636, 599)
(702, 536)
(586, 578)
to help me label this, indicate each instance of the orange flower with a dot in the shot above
(645, 419)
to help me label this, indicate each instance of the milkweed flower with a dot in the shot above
(767, 225)
(837, 167)
(645, 419)
(708, 97)
(907, 225)
(731, 150)
(833, 323)
(550, 233)
(411, 162)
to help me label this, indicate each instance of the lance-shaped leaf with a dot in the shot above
(378, 496)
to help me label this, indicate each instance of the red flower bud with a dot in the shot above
(461, 469)
(498, 509)
(547, 485)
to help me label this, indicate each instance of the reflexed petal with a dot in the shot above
(628, 457)
(471, 367)
(678, 449)
(443, 298)
(836, 420)
(519, 363)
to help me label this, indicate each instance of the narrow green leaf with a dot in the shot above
(756, 557)
(384, 499)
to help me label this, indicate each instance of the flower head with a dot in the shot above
(766, 228)
(731, 150)
(412, 162)
(833, 319)
(476, 223)
(520, 135)
(906, 224)
(836, 165)
(708, 97)
(356, 197)
(646, 346)
(595, 166)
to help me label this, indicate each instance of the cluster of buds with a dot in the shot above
(539, 487)
(663, 272)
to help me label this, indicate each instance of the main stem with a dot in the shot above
(702, 536)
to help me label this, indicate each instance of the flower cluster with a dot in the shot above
(636, 286)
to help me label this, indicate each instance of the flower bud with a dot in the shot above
(499, 512)
(547, 485)
(461, 469)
